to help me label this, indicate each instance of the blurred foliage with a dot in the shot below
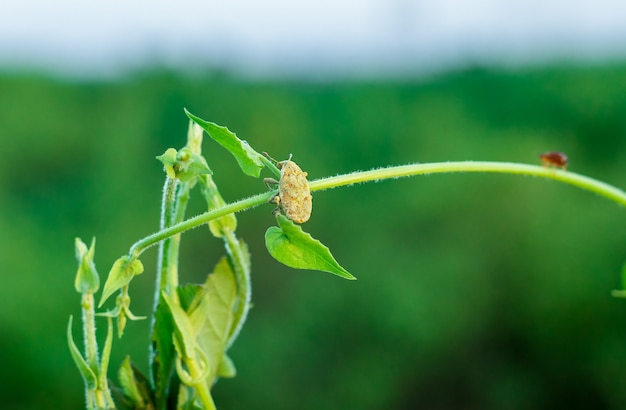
(474, 291)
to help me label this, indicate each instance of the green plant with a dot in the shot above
(193, 326)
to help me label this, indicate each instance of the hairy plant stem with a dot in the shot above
(140, 246)
(89, 330)
(171, 282)
(168, 206)
(163, 276)
(571, 178)
(581, 181)
(95, 399)
(98, 397)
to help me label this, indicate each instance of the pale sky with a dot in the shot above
(279, 36)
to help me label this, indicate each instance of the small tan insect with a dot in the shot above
(294, 195)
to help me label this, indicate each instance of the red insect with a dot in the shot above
(554, 159)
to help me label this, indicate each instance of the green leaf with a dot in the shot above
(130, 385)
(184, 331)
(135, 392)
(163, 351)
(120, 275)
(168, 159)
(212, 314)
(291, 246)
(201, 321)
(187, 400)
(87, 279)
(85, 371)
(226, 368)
(194, 137)
(249, 160)
(187, 295)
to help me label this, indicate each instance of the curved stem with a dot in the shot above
(198, 220)
(201, 387)
(581, 181)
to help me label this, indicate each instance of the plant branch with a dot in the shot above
(89, 329)
(581, 181)
(201, 387)
(140, 246)
(167, 215)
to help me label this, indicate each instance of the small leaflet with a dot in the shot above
(249, 160)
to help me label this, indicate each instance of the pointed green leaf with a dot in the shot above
(129, 384)
(168, 159)
(291, 246)
(185, 333)
(249, 160)
(163, 353)
(187, 400)
(135, 392)
(187, 295)
(212, 314)
(87, 279)
(85, 371)
(226, 368)
(120, 275)
(194, 137)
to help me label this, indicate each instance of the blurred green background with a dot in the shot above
(473, 291)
